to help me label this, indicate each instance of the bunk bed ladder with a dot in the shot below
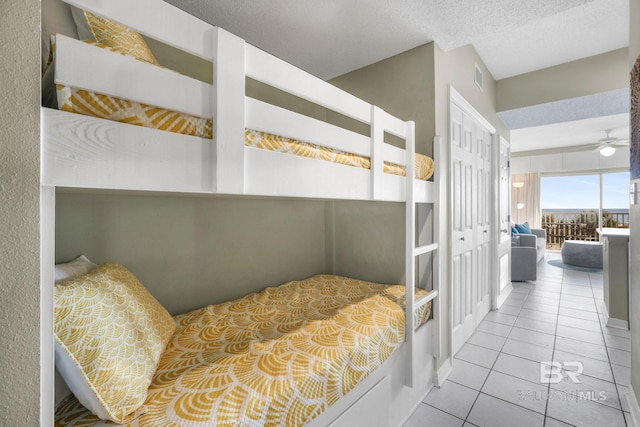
(412, 253)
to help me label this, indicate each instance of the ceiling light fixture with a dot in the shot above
(607, 150)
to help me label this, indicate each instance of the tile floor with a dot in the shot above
(496, 374)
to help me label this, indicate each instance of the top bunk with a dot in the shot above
(124, 122)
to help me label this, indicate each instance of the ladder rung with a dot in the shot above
(425, 299)
(420, 250)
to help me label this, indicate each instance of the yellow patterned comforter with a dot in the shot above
(279, 357)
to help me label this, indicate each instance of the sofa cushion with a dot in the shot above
(523, 228)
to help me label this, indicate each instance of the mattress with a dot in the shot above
(278, 357)
(93, 104)
(424, 166)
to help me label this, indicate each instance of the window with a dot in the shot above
(615, 200)
(571, 205)
(569, 193)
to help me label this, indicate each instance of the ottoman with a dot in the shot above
(582, 253)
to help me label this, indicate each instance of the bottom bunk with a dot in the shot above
(282, 356)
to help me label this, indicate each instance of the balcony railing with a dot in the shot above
(563, 226)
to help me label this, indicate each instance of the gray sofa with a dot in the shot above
(526, 251)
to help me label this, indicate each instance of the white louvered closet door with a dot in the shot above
(471, 224)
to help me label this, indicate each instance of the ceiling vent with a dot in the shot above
(478, 77)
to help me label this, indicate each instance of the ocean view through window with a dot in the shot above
(571, 205)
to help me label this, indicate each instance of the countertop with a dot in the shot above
(614, 232)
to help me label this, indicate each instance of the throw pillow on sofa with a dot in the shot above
(523, 228)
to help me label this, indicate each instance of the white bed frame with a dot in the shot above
(85, 152)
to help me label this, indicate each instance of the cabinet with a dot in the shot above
(615, 270)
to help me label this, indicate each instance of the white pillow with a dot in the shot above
(77, 383)
(110, 333)
(69, 271)
(73, 269)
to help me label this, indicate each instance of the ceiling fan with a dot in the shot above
(607, 145)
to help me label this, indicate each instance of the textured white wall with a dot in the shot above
(19, 212)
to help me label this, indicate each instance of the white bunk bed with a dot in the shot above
(95, 153)
(92, 153)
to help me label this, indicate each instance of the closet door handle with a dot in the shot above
(503, 231)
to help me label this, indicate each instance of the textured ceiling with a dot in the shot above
(332, 37)
(329, 38)
(591, 29)
(568, 110)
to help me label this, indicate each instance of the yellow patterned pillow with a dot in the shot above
(110, 333)
(112, 34)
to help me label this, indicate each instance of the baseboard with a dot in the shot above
(406, 418)
(634, 408)
(443, 373)
(504, 294)
(611, 321)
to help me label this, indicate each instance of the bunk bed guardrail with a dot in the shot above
(142, 156)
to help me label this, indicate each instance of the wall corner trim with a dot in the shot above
(443, 373)
(634, 407)
(504, 293)
(612, 322)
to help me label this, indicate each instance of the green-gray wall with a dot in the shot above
(190, 251)
(19, 213)
(194, 251)
(402, 86)
(368, 240)
(597, 74)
